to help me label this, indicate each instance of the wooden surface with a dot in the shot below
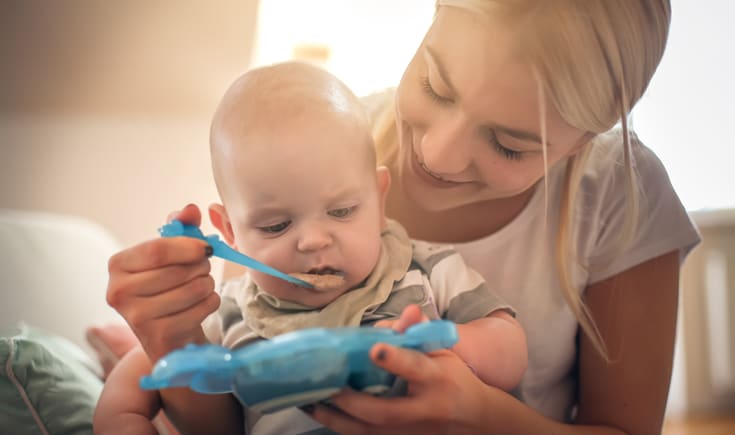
(716, 425)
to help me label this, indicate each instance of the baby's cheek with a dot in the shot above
(366, 258)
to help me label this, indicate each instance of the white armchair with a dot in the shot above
(53, 273)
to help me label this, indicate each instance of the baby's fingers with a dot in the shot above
(411, 315)
(384, 323)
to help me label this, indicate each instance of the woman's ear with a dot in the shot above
(221, 221)
(383, 178)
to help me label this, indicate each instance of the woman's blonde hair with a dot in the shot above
(594, 60)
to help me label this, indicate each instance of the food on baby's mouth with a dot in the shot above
(324, 281)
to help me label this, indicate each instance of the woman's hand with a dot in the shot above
(442, 393)
(163, 289)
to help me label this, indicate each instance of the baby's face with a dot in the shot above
(303, 198)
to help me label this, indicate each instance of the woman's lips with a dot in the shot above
(429, 177)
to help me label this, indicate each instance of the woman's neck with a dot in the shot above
(462, 224)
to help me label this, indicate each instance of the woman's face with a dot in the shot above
(468, 114)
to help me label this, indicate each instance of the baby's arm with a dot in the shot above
(123, 407)
(494, 344)
(495, 348)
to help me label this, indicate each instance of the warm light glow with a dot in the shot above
(684, 117)
(368, 43)
(686, 114)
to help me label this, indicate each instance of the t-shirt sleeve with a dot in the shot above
(661, 225)
(460, 293)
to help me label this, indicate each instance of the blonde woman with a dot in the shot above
(500, 141)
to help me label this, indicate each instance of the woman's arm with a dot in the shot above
(636, 313)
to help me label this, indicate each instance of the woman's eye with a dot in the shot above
(277, 228)
(429, 90)
(342, 212)
(503, 150)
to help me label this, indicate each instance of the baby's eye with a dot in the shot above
(342, 212)
(277, 228)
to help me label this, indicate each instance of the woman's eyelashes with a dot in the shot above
(429, 90)
(492, 138)
(501, 149)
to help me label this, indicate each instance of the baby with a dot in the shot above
(295, 168)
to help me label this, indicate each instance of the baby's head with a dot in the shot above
(295, 168)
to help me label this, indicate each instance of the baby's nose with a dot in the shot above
(314, 237)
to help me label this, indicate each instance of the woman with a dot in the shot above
(499, 143)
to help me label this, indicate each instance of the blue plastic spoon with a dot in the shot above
(221, 249)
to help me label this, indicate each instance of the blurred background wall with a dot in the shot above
(105, 106)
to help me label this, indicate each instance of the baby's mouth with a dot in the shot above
(323, 279)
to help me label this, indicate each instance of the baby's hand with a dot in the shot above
(163, 289)
(411, 315)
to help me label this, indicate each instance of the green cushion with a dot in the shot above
(48, 384)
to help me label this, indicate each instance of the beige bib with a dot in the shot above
(268, 316)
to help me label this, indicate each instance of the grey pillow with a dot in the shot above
(48, 384)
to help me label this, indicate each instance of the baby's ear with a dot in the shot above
(221, 221)
(383, 178)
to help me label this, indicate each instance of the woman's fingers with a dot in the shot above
(376, 411)
(189, 215)
(347, 425)
(152, 282)
(179, 285)
(415, 368)
(169, 302)
(157, 253)
(336, 420)
(407, 364)
(162, 335)
(433, 393)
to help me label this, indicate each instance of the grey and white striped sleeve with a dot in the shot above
(460, 292)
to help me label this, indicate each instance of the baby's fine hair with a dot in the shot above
(268, 96)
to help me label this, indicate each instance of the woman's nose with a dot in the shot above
(446, 149)
(313, 237)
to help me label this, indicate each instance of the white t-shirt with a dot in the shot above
(518, 261)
